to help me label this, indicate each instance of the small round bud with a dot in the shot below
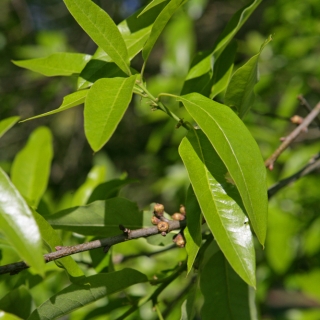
(158, 209)
(182, 209)
(178, 216)
(180, 240)
(163, 233)
(163, 226)
(155, 220)
(296, 119)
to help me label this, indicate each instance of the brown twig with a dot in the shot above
(307, 106)
(61, 252)
(312, 165)
(293, 135)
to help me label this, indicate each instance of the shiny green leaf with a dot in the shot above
(31, 167)
(226, 296)
(57, 64)
(101, 29)
(91, 289)
(18, 225)
(71, 100)
(238, 151)
(220, 203)
(52, 239)
(96, 176)
(8, 316)
(105, 106)
(240, 92)
(159, 25)
(198, 78)
(150, 5)
(192, 232)
(7, 124)
(99, 218)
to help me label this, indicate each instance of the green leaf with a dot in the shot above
(192, 232)
(99, 218)
(150, 5)
(105, 106)
(199, 77)
(7, 124)
(92, 288)
(57, 64)
(108, 189)
(31, 167)
(226, 296)
(238, 151)
(52, 239)
(18, 224)
(71, 100)
(159, 25)
(8, 316)
(240, 92)
(20, 296)
(96, 176)
(101, 29)
(220, 203)
(222, 70)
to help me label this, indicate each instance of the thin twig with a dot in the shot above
(293, 135)
(312, 165)
(307, 106)
(61, 252)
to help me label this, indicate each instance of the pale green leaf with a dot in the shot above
(7, 124)
(222, 70)
(8, 316)
(91, 289)
(96, 176)
(192, 232)
(226, 296)
(71, 100)
(100, 218)
(57, 64)
(238, 151)
(31, 167)
(220, 203)
(159, 25)
(240, 92)
(101, 29)
(105, 106)
(18, 225)
(52, 239)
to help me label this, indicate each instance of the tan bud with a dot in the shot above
(163, 226)
(158, 209)
(179, 240)
(182, 209)
(155, 220)
(178, 216)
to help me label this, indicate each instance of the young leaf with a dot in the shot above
(31, 166)
(8, 316)
(192, 232)
(91, 289)
(101, 29)
(197, 72)
(57, 64)
(238, 151)
(99, 218)
(96, 176)
(105, 106)
(150, 5)
(222, 70)
(51, 239)
(159, 25)
(71, 100)
(220, 203)
(226, 296)
(7, 124)
(240, 92)
(18, 224)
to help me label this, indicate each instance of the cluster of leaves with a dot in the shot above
(224, 165)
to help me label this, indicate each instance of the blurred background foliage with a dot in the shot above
(144, 146)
